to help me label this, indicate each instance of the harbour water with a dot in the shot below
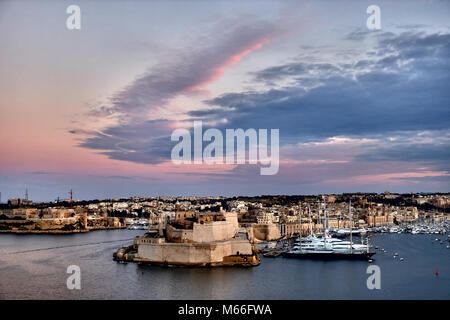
(34, 267)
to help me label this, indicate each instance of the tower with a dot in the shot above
(160, 226)
(26, 193)
(84, 220)
(71, 193)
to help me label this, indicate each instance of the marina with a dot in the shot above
(415, 228)
(327, 247)
(137, 224)
(283, 247)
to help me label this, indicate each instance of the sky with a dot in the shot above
(93, 109)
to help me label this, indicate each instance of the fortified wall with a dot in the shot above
(207, 242)
(202, 232)
(267, 232)
(191, 253)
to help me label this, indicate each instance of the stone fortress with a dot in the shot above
(193, 239)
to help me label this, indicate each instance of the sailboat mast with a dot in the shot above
(310, 220)
(301, 233)
(351, 225)
(325, 233)
(318, 211)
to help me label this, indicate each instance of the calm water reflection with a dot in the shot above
(28, 272)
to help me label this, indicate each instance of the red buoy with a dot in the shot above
(437, 272)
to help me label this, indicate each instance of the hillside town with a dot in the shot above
(269, 217)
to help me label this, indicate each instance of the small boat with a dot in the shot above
(394, 230)
(272, 254)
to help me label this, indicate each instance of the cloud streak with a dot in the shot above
(141, 135)
(188, 71)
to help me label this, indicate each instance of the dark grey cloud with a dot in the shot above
(408, 152)
(445, 179)
(359, 34)
(412, 26)
(403, 85)
(146, 142)
(405, 91)
(297, 69)
(430, 149)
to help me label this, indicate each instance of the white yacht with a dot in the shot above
(346, 232)
(327, 247)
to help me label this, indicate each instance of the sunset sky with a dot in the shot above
(93, 109)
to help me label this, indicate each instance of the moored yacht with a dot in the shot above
(327, 247)
(347, 231)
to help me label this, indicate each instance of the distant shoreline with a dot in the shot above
(58, 231)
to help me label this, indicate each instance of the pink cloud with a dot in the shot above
(218, 71)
